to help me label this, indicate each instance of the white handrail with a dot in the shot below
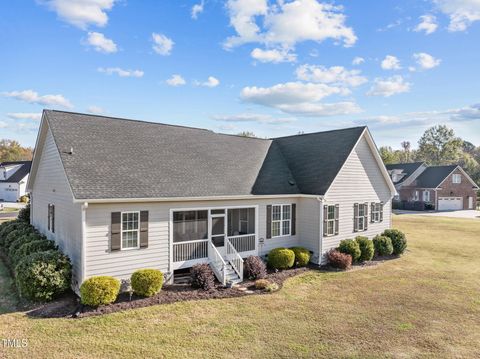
(234, 258)
(215, 257)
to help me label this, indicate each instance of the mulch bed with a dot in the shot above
(69, 307)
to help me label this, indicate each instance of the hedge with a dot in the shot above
(366, 248)
(383, 246)
(147, 282)
(281, 258)
(302, 256)
(399, 241)
(99, 290)
(351, 247)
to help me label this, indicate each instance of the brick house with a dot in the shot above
(439, 188)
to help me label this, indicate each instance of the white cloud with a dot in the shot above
(100, 43)
(389, 86)
(253, 117)
(337, 75)
(31, 96)
(81, 13)
(162, 45)
(3, 124)
(391, 63)
(284, 24)
(426, 61)
(300, 98)
(275, 56)
(358, 60)
(197, 9)
(96, 110)
(121, 72)
(428, 23)
(176, 80)
(25, 116)
(462, 13)
(211, 82)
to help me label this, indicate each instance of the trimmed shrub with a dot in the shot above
(302, 256)
(399, 241)
(202, 276)
(254, 268)
(350, 246)
(13, 226)
(281, 258)
(24, 214)
(43, 276)
(99, 290)
(383, 246)
(23, 199)
(261, 283)
(16, 244)
(272, 287)
(39, 245)
(14, 235)
(366, 248)
(339, 260)
(147, 282)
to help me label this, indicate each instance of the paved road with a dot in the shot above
(8, 214)
(472, 214)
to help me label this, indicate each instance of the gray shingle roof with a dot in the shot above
(118, 158)
(407, 168)
(433, 176)
(19, 174)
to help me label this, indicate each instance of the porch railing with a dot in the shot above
(234, 258)
(190, 250)
(243, 243)
(217, 263)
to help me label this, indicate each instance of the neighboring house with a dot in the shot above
(13, 180)
(119, 195)
(436, 187)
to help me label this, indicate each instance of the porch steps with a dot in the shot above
(231, 275)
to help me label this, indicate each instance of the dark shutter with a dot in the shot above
(355, 215)
(372, 209)
(381, 211)
(365, 215)
(115, 231)
(269, 221)
(48, 216)
(325, 218)
(337, 218)
(143, 229)
(52, 216)
(294, 218)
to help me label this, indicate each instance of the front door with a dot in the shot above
(218, 229)
(470, 202)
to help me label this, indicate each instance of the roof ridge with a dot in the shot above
(317, 132)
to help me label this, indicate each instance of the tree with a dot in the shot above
(246, 134)
(406, 155)
(389, 155)
(11, 150)
(439, 146)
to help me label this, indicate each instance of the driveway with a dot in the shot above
(8, 214)
(471, 214)
(13, 204)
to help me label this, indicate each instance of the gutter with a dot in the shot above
(188, 199)
(321, 200)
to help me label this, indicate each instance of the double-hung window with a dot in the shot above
(360, 215)
(376, 212)
(281, 220)
(456, 178)
(330, 219)
(130, 230)
(51, 218)
(426, 196)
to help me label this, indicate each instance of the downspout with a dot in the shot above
(84, 243)
(321, 200)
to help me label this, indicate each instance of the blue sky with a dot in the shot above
(271, 67)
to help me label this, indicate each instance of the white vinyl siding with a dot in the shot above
(359, 181)
(51, 187)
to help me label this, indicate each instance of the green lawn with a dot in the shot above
(426, 304)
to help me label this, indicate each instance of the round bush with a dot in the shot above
(350, 246)
(14, 229)
(14, 235)
(39, 245)
(202, 276)
(24, 214)
(261, 283)
(147, 282)
(302, 256)
(399, 241)
(383, 246)
(43, 276)
(254, 268)
(366, 248)
(281, 258)
(99, 290)
(339, 260)
(16, 244)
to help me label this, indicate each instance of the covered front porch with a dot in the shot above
(205, 235)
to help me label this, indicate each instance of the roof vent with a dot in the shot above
(291, 182)
(69, 152)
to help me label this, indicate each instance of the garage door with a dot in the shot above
(450, 203)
